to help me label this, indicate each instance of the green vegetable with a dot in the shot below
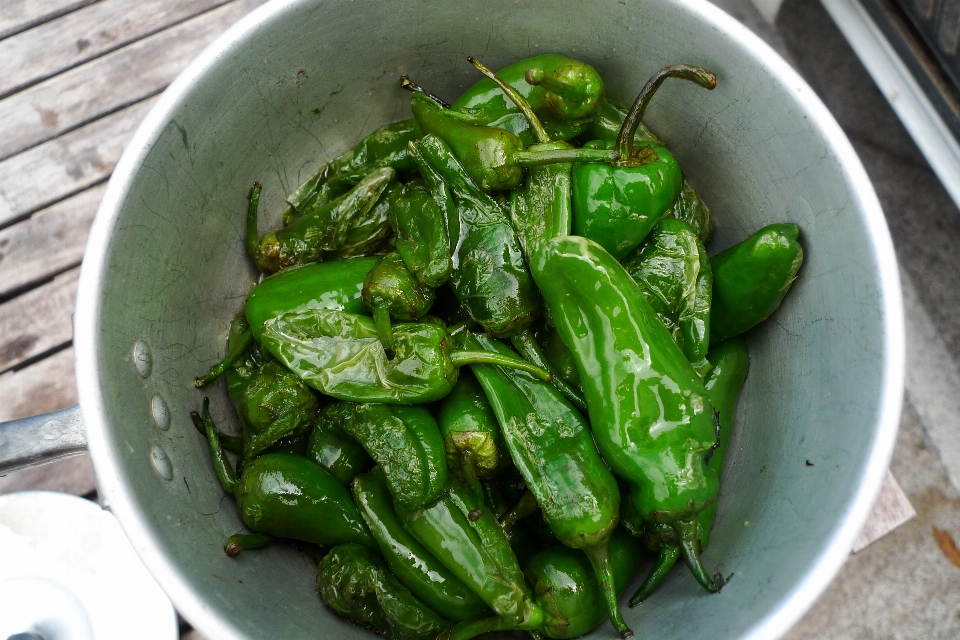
(421, 229)
(471, 435)
(392, 292)
(330, 447)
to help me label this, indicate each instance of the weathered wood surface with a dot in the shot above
(38, 321)
(20, 15)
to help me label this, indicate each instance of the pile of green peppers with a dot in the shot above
(491, 363)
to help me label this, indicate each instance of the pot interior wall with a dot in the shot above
(309, 82)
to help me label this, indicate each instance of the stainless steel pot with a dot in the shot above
(298, 82)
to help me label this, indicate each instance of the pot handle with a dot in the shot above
(49, 436)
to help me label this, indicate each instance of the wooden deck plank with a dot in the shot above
(110, 82)
(48, 242)
(20, 15)
(66, 165)
(86, 34)
(38, 321)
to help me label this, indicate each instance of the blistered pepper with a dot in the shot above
(340, 355)
(723, 384)
(391, 292)
(750, 279)
(551, 444)
(471, 435)
(672, 269)
(421, 233)
(649, 412)
(330, 448)
(418, 569)
(354, 582)
(616, 204)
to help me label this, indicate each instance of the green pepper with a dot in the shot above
(339, 354)
(690, 208)
(326, 285)
(406, 444)
(551, 445)
(385, 147)
(672, 269)
(563, 92)
(421, 230)
(414, 566)
(392, 292)
(286, 495)
(471, 435)
(750, 279)
(723, 384)
(367, 233)
(467, 539)
(617, 204)
(558, 355)
(649, 411)
(354, 582)
(330, 447)
(608, 121)
(494, 158)
(320, 230)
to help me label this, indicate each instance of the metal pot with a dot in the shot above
(299, 81)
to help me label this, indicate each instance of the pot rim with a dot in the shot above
(105, 453)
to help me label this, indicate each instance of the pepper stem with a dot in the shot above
(409, 85)
(688, 540)
(516, 98)
(537, 77)
(628, 129)
(253, 233)
(233, 444)
(381, 322)
(238, 543)
(225, 473)
(473, 628)
(599, 556)
(236, 351)
(460, 358)
(553, 156)
(526, 506)
(665, 561)
(529, 348)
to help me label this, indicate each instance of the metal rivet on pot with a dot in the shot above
(161, 463)
(142, 358)
(161, 414)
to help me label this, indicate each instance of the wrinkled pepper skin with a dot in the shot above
(326, 285)
(356, 584)
(649, 412)
(406, 444)
(540, 207)
(607, 122)
(673, 272)
(551, 444)
(471, 435)
(618, 206)
(340, 354)
(392, 292)
(468, 540)
(559, 355)
(367, 233)
(331, 449)
(566, 95)
(414, 566)
(288, 496)
(489, 277)
(321, 230)
(731, 361)
(385, 147)
(690, 208)
(421, 230)
(750, 279)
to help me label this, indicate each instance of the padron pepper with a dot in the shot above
(340, 354)
(750, 279)
(471, 435)
(415, 567)
(673, 272)
(286, 495)
(330, 448)
(385, 147)
(325, 285)
(421, 233)
(566, 588)
(392, 292)
(648, 409)
(467, 539)
(551, 444)
(616, 204)
(730, 361)
(690, 208)
(322, 230)
(564, 93)
(355, 583)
